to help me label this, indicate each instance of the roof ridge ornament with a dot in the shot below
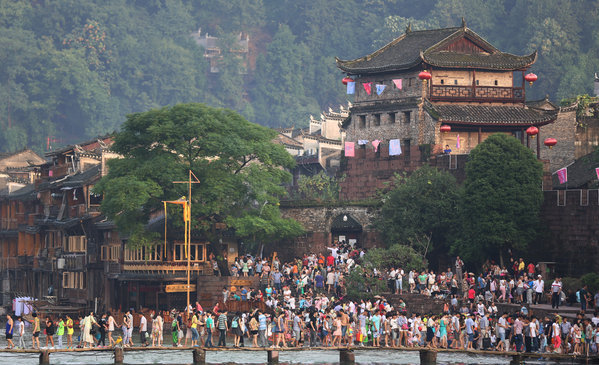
(463, 23)
(409, 28)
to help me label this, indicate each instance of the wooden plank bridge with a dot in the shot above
(428, 356)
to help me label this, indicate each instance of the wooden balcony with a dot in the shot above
(9, 223)
(477, 93)
(9, 263)
(167, 268)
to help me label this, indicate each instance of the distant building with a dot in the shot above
(213, 51)
(596, 84)
(467, 85)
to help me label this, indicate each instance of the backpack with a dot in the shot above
(235, 322)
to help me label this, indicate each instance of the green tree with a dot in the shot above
(502, 199)
(362, 282)
(421, 211)
(240, 169)
(319, 187)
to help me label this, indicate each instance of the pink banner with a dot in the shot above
(367, 87)
(597, 172)
(376, 144)
(458, 145)
(349, 149)
(397, 83)
(562, 175)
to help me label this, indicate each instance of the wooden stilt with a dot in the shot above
(44, 357)
(347, 357)
(428, 357)
(199, 357)
(119, 355)
(273, 357)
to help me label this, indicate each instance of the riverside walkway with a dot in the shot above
(346, 354)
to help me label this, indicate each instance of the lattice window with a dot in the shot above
(584, 197)
(111, 253)
(77, 244)
(561, 198)
(73, 280)
(198, 252)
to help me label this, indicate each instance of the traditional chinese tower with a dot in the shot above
(429, 89)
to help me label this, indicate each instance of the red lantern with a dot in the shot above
(346, 80)
(532, 131)
(424, 75)
(550, 142)
(530, 78)
(445, 128)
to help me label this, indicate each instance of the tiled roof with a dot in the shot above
(415, 47)
(489, 115)
(494, 61)
(580, 173)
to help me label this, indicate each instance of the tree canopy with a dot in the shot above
(239, 168)
(74, 69)
(421, 211)
(502, 199)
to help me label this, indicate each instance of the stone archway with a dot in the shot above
(346, 228)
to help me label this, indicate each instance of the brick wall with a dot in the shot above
(570, 231)
(317, 220)
(564, 130)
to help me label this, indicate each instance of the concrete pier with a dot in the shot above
(44, 357)
(199, 357)
(428, 357)
(347, 357)
(119, 356)
(273, 357)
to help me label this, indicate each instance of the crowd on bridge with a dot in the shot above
(303, 303)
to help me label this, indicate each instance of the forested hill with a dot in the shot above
(72, 69)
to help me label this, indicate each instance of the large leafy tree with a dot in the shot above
(502, 199)
(421, 211)
(240, 170)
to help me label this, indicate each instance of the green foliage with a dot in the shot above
(421, 210)
(319, 187)
(240, 170)
(502, 199)
(395, 256)
(74, 69)
(361, 282)
(592, 280)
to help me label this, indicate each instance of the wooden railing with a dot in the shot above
(476, 93)
(9, 223)
(7, 263)
(202, 269)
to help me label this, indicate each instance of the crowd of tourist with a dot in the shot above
(303, 303)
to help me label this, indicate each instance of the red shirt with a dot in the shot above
(330, 260)
(531, 268)
(471, 293)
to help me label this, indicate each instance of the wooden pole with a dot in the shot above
(539, 145)
(188, 243)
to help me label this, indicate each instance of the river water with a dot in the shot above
(371, 357)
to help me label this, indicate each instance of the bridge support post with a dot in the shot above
(119, 355)
(273, 357)
(44, 357)
(428, 357)
(199, 357)
(517, 359)
(347, 357)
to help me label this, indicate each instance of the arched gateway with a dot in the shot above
(346, 228)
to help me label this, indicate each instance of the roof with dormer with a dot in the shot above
(437, 47)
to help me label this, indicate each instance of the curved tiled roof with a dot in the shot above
(415, 47)
(493, 115)
(494, 61)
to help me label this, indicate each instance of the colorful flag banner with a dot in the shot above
(376, 144)
(458, 144)
(394, 147)
(597, 172)
(380, 88)
(362, 141)
(562, 175)
(398, 83)
(349, 149)
(367, 87)
(351, 87)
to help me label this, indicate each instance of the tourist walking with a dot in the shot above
(86, 330)
(35, 337)
(10, 326)
(21, 332)
(70, 331)
(223, 327)
(49, 331)
(209, 330)
(60, 331)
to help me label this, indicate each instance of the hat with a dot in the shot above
(539, 276)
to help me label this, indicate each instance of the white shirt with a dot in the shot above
(539, 286)
(143, 324)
